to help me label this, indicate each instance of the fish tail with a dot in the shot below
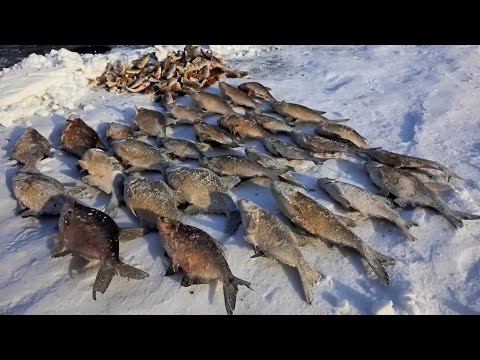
(104, 277)
(309, 278)
(455, 217)
(230, 290)
(377, 262)
(128, 271)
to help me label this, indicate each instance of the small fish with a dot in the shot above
(78, 137)
(404, 161)
(317, 220)
(237, 96)
(352, 197)
(270, 123)
(150, 199)
(200, 257)
(288, 151)
(257, 89)
(183, 114)
(206, 192)
(101, 169)
(213, 134)
(211, 103)
(139, 156)
(274, 239)
(31, 148)
(242, 127)
(341, 132)
(410, 191)
(184, 149)
(265, 160)
(93, 235)
(234, 165)
(152, 122)
(38, 194)
(322, 145)
(300, 114)
(116, 131)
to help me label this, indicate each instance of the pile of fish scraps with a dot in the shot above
(192, 68)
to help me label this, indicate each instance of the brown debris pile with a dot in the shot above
(192, 68)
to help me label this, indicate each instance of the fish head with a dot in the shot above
(323, 182)
(246, 206)
(247, 209)
(166, 226)
(282, 189)
(131, 179)
(374, 170)
(203, 161)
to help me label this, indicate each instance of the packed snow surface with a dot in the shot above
(416, 100)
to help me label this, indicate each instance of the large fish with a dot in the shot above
(31, 148)
(352, 197)
(274, 239)
(200, 257)
(317, 220)
(93, 235)
(206, 192)
(411, 191)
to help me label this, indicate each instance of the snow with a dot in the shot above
(417, 100)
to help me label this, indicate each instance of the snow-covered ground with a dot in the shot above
(416, 100)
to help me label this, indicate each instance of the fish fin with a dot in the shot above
(403, 202)
(289, 120)
(128, 271)
(137, 110)
(220, 246)
(203, 147)
(60, 248)
(309, 278)
(230, 182)
(346, 221)
(127, 234)
(258, 254)
(134, 169)
(104, 277)
(62, 253)
(72, 190)
(30, 212)
(194, 210)
(466, 216)
(438, 187)
(171, 270)
(230, 290)
(19, 208)
(317, 161)
(189, 280)
(170, 121)
(377, 261)
(383, 192)
(139, 133)
(386, 201)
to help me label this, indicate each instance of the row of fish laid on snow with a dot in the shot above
(156, 204)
